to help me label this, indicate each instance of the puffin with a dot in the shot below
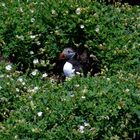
(80, 62)
(70, 64)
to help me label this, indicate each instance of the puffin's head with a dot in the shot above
(67, 53)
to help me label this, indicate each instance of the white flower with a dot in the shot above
(31, 11)
(35, 61)
(77, 85)
(127, 90)
(0, 87)
(81, 129)
(36, 88)
(44, 75)
(72, 95)
(1, 76)
(21, 37)
(86, 124)
(53, 12)
(21, 10)
(32, 36)
(17, 90)
(32, 19)
(23, 83)
(108, 79)
(8, 67)
(31, 52)
(42, 62)
(34, 72)
(78, 11)
(20, 79)
(8, 76)
(3, 4)
(38, 43)
(97, 30)
(39, 114)
(83, 97)
(82, 26)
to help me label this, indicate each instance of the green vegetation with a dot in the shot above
(35, 106)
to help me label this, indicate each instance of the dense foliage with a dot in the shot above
(35, 106)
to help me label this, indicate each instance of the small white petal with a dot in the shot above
(8, 67)
(20, 79)
(97, 30)
(23, 83)
(39, 114)
(17, 90)
(81, 129)
(127, 90)
(86, 124)
(36, 88)
(31, 52)
(32, 36)
(3, 4)
(44, 75)
(53, 12)
(34, 72)
(32, 20)
(78, 11)
(82, 26)
(83, 97)
(38, 43)
(35, 61)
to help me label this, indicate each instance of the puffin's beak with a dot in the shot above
(62, 56)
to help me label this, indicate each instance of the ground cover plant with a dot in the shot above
(34, 105)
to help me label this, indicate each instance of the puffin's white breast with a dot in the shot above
(68, 70)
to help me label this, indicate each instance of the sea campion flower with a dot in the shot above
(21, 10)
(32, 20)
(82, 26)
(53, 12)
(20, 79)
(31, 52)
(39, 114)
(32, 11)
(83, 97)
(38, 43)
(17, 90)
(8, 67)
(78, 11)
(3, 4)
(97, 29)
(36, 88)
(32, 36)
(34, 72)
(44, 75)
(36, 61)
(86, 124)
(21, 37)
(81, 129)
(127, 90)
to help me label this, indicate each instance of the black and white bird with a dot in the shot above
(70, 64)
(78, 62)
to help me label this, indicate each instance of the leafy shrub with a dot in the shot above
(81, 108)
(40, 30)
(34, 106)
